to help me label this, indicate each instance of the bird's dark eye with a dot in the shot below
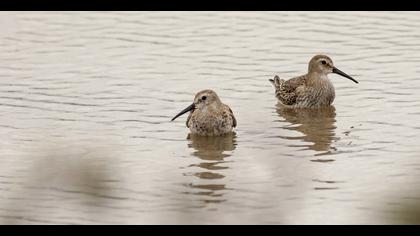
(323, 62)
(203, 98)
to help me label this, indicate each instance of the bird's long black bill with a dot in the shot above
(337, 71)
(191, 107)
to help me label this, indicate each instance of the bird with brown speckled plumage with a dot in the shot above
(208, 115)
(312, 90)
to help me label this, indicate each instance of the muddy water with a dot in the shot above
(86, 99)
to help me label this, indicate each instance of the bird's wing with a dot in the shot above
(286, 90)
(233, 117)
(294, 83)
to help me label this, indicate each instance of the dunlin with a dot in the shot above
(311, 90)
(208, 115)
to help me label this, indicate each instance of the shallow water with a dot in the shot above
(86, 99)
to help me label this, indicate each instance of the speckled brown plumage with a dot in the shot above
(209, 116)
(311, 90)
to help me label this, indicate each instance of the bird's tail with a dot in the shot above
(276, 82)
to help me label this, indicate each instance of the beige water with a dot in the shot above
(86, 99)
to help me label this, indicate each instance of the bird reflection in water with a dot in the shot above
(317, 125)
(212, 151)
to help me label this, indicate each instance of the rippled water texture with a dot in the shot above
(86, 99)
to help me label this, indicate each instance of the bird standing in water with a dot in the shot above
(208, 115)
(312, 90)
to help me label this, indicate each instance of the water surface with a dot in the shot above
(86, 99)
